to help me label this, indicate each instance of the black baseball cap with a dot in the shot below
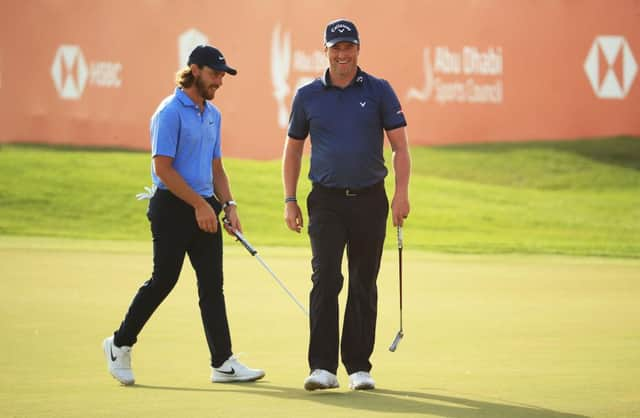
(341, 30)
(211, 57)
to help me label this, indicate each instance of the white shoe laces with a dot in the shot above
(234, 360)
(123, 357)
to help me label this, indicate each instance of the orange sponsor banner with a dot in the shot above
(92, 73)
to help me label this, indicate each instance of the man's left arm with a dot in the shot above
(402, 169)
(223, 193)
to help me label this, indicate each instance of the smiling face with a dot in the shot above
(343, 60)
(207, 81)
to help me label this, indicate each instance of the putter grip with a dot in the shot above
(244, 242)
(399, 237)
(240, 238)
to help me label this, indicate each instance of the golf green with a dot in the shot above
(485, 336)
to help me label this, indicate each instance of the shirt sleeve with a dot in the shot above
(392, 114)
(298, 121)
(165, 130)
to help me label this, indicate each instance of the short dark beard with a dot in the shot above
(202, 89)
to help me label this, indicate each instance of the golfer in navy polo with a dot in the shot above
(190, 182)
(346, 113)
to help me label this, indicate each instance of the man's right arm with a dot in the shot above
(291, 163)
(205, 215)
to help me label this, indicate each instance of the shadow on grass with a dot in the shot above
(623, 151)
(387, 401)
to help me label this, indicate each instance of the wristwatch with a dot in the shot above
(228, 203)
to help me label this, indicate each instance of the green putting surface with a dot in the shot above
(485, 336)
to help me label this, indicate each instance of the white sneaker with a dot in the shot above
(321, 379)
(361, 381)
(234, 371)
(118, 361)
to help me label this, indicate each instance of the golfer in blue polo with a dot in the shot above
(345, 113)
(192, 188)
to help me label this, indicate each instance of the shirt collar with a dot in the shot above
(186, 100)
(358, 80)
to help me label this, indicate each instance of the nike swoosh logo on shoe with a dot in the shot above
(232, 372)
(113, 358)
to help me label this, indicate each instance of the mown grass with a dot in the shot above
(486, 336)
(563, 197)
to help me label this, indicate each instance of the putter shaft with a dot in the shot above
(254, 253)
(400, 333)
(293, 298)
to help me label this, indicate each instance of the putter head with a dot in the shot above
(396, 341)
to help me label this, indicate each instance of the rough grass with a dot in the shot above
(565, 197)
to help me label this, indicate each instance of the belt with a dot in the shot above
(350, 191)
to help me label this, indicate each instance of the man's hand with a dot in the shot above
(293, 216)
(399, 210)
(206, 217)
(231, 213)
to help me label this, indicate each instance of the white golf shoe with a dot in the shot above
(321, 379)
(234, 371)
(118, 361)
(361, 381)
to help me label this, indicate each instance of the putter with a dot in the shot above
(400, 333)
(254, 252)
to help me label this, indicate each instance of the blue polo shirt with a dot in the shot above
(346, 128)
(180, 131)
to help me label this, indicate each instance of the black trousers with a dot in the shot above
(176, 233)
(355, 220)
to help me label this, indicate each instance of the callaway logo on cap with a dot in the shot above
(340, 30)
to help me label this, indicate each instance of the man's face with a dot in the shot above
(343, 58)
(207, 81)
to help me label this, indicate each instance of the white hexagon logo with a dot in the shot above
(69, 72)
(186, 42)
(620, 71)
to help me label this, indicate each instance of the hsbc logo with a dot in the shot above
(71, 73)
(610, 67)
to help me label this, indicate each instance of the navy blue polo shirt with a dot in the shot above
(346, 128)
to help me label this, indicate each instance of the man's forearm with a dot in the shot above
(222, 187)
(178, 186)
(221, 184)
(291, 165)
(402, 169)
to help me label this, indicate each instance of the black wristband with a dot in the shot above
(290, 199)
